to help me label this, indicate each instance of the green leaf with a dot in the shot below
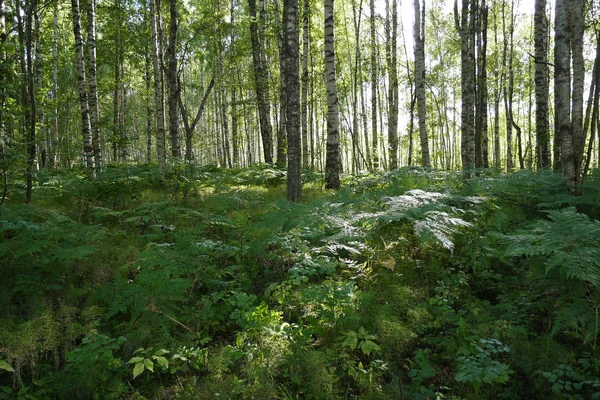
(149, 364)
(163, 362)
(367, 346)
(138, 369)
(350, 341)
(135, 360)
(161, 352)
(6, 366)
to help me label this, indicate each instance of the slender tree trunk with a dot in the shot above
(262, 88)
(542, 124)
(481, 122)
(148, 81)
(93, 85)
(53, 142)
(234, 116)
(159, 106)
(332, 179)
(576, 17)
(391, 50)
(292, 83)
(32, 111)
(419, 37)
(305, 76)
(465, 27)
(172, 77)
(374, 86)
(117, 134)
(83, 99)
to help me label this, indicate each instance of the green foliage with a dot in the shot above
(408, 284)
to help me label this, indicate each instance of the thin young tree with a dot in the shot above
(332, 165)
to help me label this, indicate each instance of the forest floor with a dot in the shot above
(409, 284)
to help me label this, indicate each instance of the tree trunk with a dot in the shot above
(419, 37)
(481, 122)
(576, 17)
(542, 91)
(562, 90)
(391, 50)
(83, 99)
(190, 126)
(172, 78)
(332, 178)
(93, 85)
(374, 85)
(234, 116)
(148, 81)
(53, 142)
(465, 27)
(292, 86)
(159, 108)
(32, 111)
(262, 85)
(305, 77)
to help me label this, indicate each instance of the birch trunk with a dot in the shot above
(82, 84)
(465, 27)
(576, 12)
(332, 178)
(542, 91)
(391, 50)
(292, 108)
(172, 78)
(305, 76)
(159, 107)
(562, 90)
(481, 121)
(93, 85)
(374, 85)
(419, 37)
(261, 82)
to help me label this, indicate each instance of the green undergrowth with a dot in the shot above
(411, 284)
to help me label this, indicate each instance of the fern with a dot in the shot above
(567, 243)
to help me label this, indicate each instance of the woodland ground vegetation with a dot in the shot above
(408, 284)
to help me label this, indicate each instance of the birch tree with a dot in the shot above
(292, 107)
(419, 38)
(93, 85)
(82, 86)
(159, 111)
(542, 128)
(262, 84)
(374, 86)
(172, 78)
(332, 178)
(465, 26)
(392, 56)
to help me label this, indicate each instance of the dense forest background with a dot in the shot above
(299, 199)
